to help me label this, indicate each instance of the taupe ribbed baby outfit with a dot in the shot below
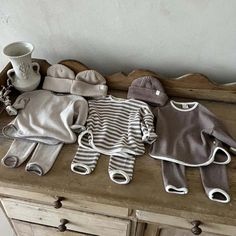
(188, 135)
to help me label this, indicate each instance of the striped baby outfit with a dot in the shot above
(118, 128)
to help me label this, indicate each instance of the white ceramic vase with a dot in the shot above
(22, 75)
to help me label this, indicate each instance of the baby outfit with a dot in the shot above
(115, 127)
(188, 135)
(44, 122)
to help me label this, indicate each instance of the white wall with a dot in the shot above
(170, 36)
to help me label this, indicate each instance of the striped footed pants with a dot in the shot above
(120, 168)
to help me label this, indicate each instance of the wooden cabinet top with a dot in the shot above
(145, 191)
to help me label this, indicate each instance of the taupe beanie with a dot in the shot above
(148, 89)
(88, 83)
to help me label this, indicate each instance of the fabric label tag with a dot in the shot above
(185, 106)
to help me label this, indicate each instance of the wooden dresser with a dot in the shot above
(94, 205)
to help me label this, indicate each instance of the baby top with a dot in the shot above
(120, 126)
(48, 117)
(189, 134)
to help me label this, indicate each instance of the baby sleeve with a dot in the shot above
(216, 129)
(147, 125)
(21, 101)
(221, 134)
(80, 115)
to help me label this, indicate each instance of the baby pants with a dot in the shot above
(214, 180)
(120, 168)
(214, 176)
(42, 158)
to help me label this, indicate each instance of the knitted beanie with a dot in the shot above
(88, 83)
(59, 79)
(148, 89)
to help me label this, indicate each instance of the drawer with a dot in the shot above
(144, 229)
(179, 222)
(27, 229)
(67, 202)
(180, 232)
(78, 221)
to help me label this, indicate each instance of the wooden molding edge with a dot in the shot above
(194, 86)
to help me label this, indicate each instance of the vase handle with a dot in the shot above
(9, 72)
(37, 65)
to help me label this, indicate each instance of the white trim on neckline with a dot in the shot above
(116, 99)
(195, 104)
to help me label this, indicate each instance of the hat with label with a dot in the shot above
(148, 89)
(88, 83)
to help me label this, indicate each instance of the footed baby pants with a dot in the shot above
(42, 158)
(214, 180)
(120, 168)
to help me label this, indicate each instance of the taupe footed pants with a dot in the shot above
(120, 168)
(42, 158)
(214, 178)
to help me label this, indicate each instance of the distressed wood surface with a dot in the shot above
(178, 222)
(146, 191)
(27, 229)
(78, 221)
(194, 86)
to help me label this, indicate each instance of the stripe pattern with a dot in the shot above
(84, 161)
(120, 125)
(115, 127)
(120, 169)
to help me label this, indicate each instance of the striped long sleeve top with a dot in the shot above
(118, 126)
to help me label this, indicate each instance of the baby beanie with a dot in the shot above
(148, 89)
(59, 79)
(88, 83)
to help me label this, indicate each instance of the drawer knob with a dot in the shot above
(57, 204)
(196, 230)
(62, 226)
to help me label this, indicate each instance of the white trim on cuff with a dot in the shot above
(85, 167)
(182, 190)
(218, 190)
(227, 154)
(112, 173)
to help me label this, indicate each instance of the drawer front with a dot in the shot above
(162, 219)
(78, 221)
(69, 202)
(27, 229)
(180, 232)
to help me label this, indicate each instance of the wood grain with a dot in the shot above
(146, 191)
(194, 86)
(26, 229)
(177, 222)
(78, 221)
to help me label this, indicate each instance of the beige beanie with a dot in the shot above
(88, 83)
(59, 79)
